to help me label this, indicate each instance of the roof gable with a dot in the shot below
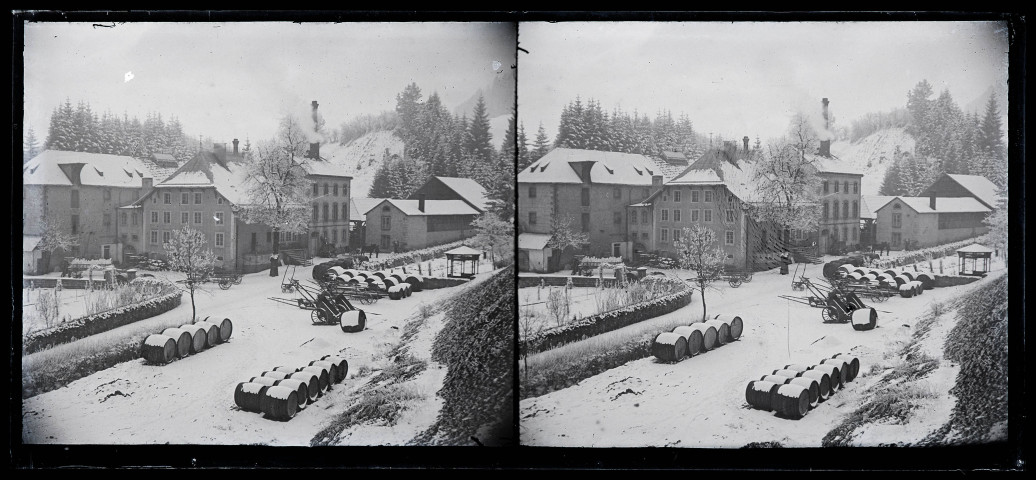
(979, 186)
(614, 168)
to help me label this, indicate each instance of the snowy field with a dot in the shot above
(700, 402)
(582, 301)
(191, 400)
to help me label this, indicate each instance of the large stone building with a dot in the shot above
(917, 222)
(454, 188)
(400, 225)
(955, 186)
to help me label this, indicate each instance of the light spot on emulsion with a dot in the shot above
(496, 65)
(128, 76)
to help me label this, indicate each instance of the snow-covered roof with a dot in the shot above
(869, 205)
(532, 241)
(326, 168)
(29, 242)
(359, 207)
(206, 170)
(464, 250)
(432, 207)
(695, 176)
(99, 169)
(943, 205)
(468, 189)
(975, 248)
(979, 186)
(673, 155)
(561, 165)
(833, 164)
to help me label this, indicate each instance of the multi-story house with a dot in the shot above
(400, 225)
(916, 222)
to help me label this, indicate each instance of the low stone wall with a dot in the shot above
(432, 283)
(954, 280)
(562, 280)
(71, 283)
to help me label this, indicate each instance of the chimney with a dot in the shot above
(931, 201)
(825, 145)
(656, 181)
(146, 184)
(745, 139)
(314, 148)
(420, 202)
(235, 147)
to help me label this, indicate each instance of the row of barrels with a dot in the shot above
(381, 280)
(906, 282)
(401, 291)
(793, 390)
(179, 342)
(690, 340)
(282, 392)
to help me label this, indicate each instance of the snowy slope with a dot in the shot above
(873, 154)
(361, 157)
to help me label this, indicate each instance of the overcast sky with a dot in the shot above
(748, 78)
(232, 80)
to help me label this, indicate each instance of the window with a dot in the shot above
(616, 193)
(845, 209)
(325, 189)
(800, 235)
(135, 237)
(107, 194)
(856, 187)
(123, 218)
(334, 233)
(856, 233)
(643, 217)
(219, 199)
(845, 233)
(728, 237)
(345, 212)
(336, 190)
(154, 237)
(197, 198)
(345, 193)
(825, 186)
(633, 217)
(677, 216)
(316, 213)
(665, 215)
(730, 215)
(185, 198)
(219, 218)
(133, 218)
(676, 235)
(185, 217)
(897, 238)
(695, 215)
(585, 197)
(154, 217)
(823, 213)
(836, 187)
(334, 208)
(154, 199)
(107, 221)
(897, 220)
(834, 209)
(617, 218)
(856, 208)
(708, 196)
(386, 222)
(219, 239)
(75, 198)
(167, 217)
(845, 186)
(325, 209)
(165, 236)
(677, 196)
(197, 218)
(167, 198)
(586, 222)
(316, 190)
(532, 218)
(695, 196)
(75, 224)
(644, 236)
(532, 191)
(664, 237)
(707, 215)
(834, 234)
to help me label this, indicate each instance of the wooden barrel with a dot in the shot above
(343, 365)
(415, 281)
(279, 402)
(833, 372)
(787, 373)
(873, 277)
(791, 401)
(212, 337)
(199, 337)
(184, 340)
(301, 390)
(268, 381)
(275, 375)
(332, 370)
(796, 367)
(323, 376)
(407, 289)
(854, 364)
(693, 337)
(381, 275)
(669, 347)
(918, 287)
(908, 274)
(709, 336)
(350, 272)
(812, 386)
(901, 280)
(927, 280)
(864, 319)
(823, 382)
(158, 349)
(390, 282)
(843, 368)
(226, 328)
(400, 278)
(722, 332)
(312, 383)
(395, 292)
(247, 395)
(353, 321)
(760, 394)
(287, 370)
(737, 325)
(890, 272)
(844, 269)
(778, 379)
(856, 276)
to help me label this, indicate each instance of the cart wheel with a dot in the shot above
(748, 278)
(318, 317)
(237, 281)
(735, 282)
(225, 284)
(830, 314)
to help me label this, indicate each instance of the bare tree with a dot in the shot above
(563, 236)
(558, 305)
(530, 326)
(700, 252)
(189, 254)
(492, 233)
(277, 182)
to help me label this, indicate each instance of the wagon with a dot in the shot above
(836, 302)
(735, 277)
(226, 279)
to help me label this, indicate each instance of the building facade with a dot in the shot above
(401, 225)
(918, 222)
(839, 209)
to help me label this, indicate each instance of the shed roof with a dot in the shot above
(943, 205)
(975, 248)
(29, 242)
(869, 205)
(468, 189)
(464, 250)
(359, 207)
(979, 186)
(431, 207)
(533, 241)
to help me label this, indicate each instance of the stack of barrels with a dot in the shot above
(906, 282)
(179, 342)
(282, 392)
(397, 285)
(793, 390)
(690, 340)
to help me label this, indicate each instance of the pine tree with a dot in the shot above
(480, 144)
(541, 145)
(30, 146)
(991, 133)
(919, 106)
(524, 159)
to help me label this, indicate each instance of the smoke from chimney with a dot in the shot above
(825, 144)
(314, 147)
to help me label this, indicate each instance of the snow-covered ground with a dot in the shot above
(191, 400)
(872, 155)
(700, 402)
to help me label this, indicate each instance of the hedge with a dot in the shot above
(55, 375)
(412, 257)
(562, 280)
(543, 381)
(101, 322)
(608, 321)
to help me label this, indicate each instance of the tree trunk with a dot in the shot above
(704, 309)
(194, 310)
